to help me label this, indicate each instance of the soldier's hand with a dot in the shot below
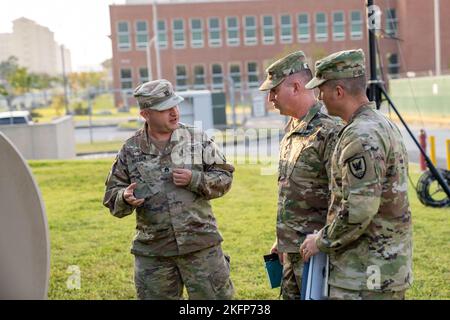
(274, 249)
(129, 197)
(182, 177)
(309, 247)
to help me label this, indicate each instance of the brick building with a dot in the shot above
(202, 44)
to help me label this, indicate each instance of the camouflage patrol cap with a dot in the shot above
(280, 69)
(156, 95)
(339, 65)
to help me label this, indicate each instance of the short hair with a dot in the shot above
(354, 86)
(304, 75)
(146, 111)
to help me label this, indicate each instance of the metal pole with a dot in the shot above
(90, 118)
(437, 37)
(149, 62)
(233, 107)
(430, 165)
(65, 80)
(373, 82)
(376, 88)
(155, 31)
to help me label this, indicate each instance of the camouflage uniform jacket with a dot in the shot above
(304, 166)
(172, 220)
(368, 235)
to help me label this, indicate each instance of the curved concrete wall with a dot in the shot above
(24, 234)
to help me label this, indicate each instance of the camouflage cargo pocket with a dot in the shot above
(148, 235)
(221, 276)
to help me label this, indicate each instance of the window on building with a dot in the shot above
(338, 26)
(235, 74)
(285, 29)
(143, 75)
(215, 35)
(321, 27)
(303, 28)
(252, 74)
(141, 35)
(217, 76)
(233, 31)
(250, 31)
(162, 34)
(197, 33)
(181, 77)
(123, 36)
(393, 64)
(178, 34)
(391, 22)
(356, 25)
(268, 30)
(126, 80)
(199, 77)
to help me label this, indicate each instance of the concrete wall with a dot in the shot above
(54, 140)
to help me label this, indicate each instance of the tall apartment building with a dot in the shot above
(35, 47)
(204, 43)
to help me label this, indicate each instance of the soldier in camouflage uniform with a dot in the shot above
(304, 164)
(168, 172)
(368, 234)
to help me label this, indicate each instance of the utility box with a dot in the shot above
(197, 107)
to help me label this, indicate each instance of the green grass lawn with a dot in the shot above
(83, 233)
(228, 136)
(98, 146)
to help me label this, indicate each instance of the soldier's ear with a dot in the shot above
(144, 113)
(297, 87)
(339, 91)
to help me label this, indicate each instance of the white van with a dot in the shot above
(15, 117)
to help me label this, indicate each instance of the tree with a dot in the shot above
(84, 80)
(16, 81)
(58, 104)
(20, 81)
(7, 70)
(8, 67)
(3, 90)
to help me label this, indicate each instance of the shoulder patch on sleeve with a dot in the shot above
(358, 167)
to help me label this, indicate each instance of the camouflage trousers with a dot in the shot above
(291, 282)
(344, 294)
(205, 274)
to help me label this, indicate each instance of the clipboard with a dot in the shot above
(315, 278)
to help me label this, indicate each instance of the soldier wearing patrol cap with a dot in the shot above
(167, 172)
(368, 234)
(304, 164)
